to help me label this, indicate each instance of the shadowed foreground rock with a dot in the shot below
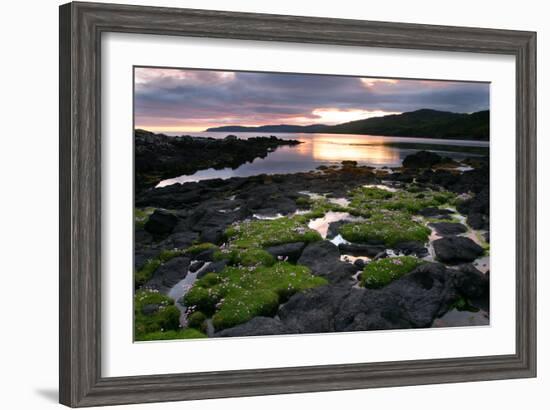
(323, 258)
(456, 249)
(414, 301)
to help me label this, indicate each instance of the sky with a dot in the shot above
(173, 100)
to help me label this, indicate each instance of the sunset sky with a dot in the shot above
(172, 100)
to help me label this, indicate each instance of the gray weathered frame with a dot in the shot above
(81, 27)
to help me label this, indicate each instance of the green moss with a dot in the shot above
(172, 335)
(196, 320)
(384, 271)
(463, 304)
(264, 233)
(163, 317)
(303, 201)
(245, 257)
(200, 247)
(388, 227)
(141, 216)
(237, 294)
(167, 254)
(203, 297)
(210, 279)
(372, 199)
(146, 272)
(250, 303)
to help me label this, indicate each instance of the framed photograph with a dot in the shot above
(261, 204)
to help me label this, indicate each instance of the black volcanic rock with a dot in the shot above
(168, 274)
(158, 156)
(323, 258)
(356, 249)
(448, 228)
(161, 223)
(421, 159)
(456, 249)
(292, 251)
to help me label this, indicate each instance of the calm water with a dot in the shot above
(329, 149)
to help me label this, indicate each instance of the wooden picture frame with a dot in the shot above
(81, 27)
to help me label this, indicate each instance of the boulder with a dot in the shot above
(169, 273)
(415, 301)
(161, 223)
(181, 240)
(478, 220)
(359, 264)
(196, 265)
(141, 257)
(456, 249)
(356, 249)
(150, 309)
(448, 228)
(471, 283)
(314, 310)
(215, 267)
(258, 326)
(334, 229)
(432, 212)
(323, 258)
(412, 248)
(421, 159)
(292, 251)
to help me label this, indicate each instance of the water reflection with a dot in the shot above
(329, 149)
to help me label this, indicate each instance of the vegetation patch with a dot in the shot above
(188, 333)
(381, 272)
(264, 233)
(387, 227)
(154, 312)
(245, 257)
(146, 272)
(197, 320)
(368, 200)
(200, 247)
(237, 294)
(141, 216)
(462, 304)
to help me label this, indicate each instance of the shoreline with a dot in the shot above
(190, 216)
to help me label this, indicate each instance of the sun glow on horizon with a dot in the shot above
(333, 116)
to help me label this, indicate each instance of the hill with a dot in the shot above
(421, 123)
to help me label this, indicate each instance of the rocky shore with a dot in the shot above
(159, 157)
(341, 248)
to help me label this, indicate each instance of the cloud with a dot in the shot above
(197, 99)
